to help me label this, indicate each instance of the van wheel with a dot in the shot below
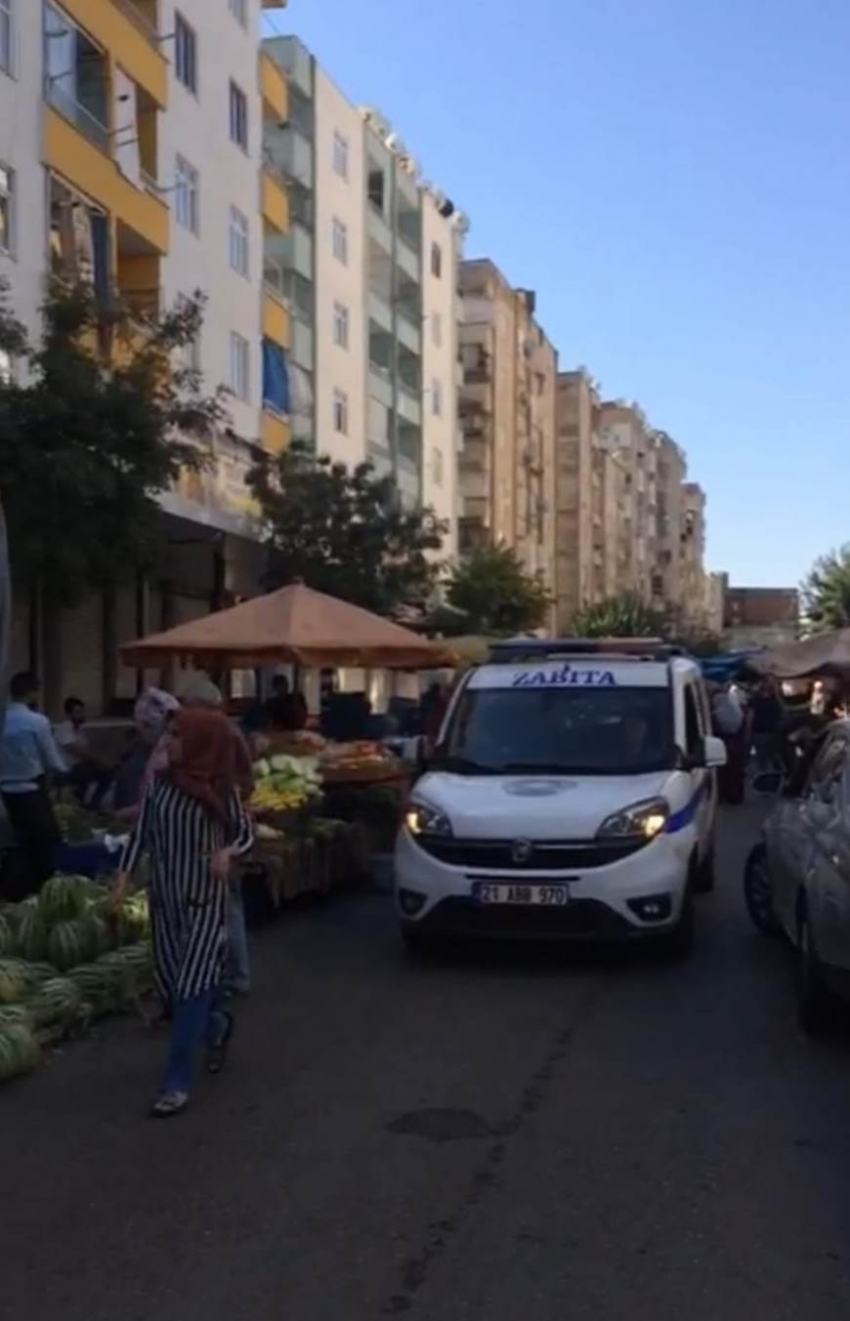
(758, 893)
(814, 1003)
(679, 943)
(704, 872)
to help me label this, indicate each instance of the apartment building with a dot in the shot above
(131, 157)
(507, 407)
(692, 541)
(580, 538)
(668, 581)
(369, 272)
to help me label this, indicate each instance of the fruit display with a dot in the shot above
(363, 761)
(66, 959)
(285, 784)
(78, 825)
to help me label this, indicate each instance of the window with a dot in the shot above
(238, 242)
(185, 54)
(238, 116)
(340, 156)
(5, 367)
(340, 241)
(239, 10)
(341, 325)
(437, 330)
(341, 412)
(7, 209)
(436, 260)
(437, 466)
(186, 210)
(7, 36)
(240, 367)
(436, 397)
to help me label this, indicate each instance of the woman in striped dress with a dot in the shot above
(192, 824)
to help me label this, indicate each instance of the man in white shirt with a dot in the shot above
(28, 754)
(87, 774)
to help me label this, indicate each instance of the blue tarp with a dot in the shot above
(720, 669)
(275, 377)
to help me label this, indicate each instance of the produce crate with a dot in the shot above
(327, 857)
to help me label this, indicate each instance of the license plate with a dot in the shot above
(522, 894)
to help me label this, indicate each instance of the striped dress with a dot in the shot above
(188, 904)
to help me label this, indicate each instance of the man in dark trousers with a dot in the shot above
(28, 754)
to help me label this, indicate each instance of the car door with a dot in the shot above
(792, 854)
(828, 879)
(702, 780)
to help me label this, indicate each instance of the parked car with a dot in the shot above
(797, 878)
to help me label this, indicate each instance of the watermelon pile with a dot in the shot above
(65, 960)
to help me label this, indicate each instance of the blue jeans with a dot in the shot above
(196, 1022)
(238, 970)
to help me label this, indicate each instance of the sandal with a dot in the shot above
(217, 1054)
(170, 1103)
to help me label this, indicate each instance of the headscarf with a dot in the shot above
(151, 713)
(207, 769)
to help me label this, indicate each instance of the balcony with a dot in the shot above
(380, 385)
(409, 403)
(292, 154)
(379, 311)
(127, 29)
(377, 227)
(77, 147)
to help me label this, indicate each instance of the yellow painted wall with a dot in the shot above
(276, 324)
(275, 432)
(274, 89)
(275, 203)
(110, 27)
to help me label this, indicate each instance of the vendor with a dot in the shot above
(285, 710)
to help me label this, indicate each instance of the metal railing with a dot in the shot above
(82, 119)
(139, 21)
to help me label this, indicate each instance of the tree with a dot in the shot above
(623, 616)
(345, 532)
(496, 593)
(100, 422)
(826, 591)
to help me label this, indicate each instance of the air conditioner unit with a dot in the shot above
(395, 144)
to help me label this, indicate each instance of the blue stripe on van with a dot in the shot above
(685, 816)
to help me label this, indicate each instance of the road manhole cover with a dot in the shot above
(442, 1125)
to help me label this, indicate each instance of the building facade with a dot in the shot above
(369, 274)
(507, 408)
(580, 539)
(131, 136)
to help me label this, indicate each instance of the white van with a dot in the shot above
(571, 796)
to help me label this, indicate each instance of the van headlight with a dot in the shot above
(642, 820)
(424, 819)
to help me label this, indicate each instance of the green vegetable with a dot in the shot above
(13, 983)
(19, 1051)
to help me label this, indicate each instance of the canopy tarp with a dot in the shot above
(295, 625)
(824, 653)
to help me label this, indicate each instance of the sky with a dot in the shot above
(673, 178)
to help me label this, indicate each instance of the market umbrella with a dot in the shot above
(296, 625)
(822, 653)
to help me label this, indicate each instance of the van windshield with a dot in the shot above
(565, 731)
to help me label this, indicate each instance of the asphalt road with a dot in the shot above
(502, 1137)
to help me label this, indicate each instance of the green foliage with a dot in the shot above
(99, 420)
(496, 594)
(623, 616)
(344, 532)
(826, 591)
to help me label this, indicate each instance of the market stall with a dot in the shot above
(823, 655)
(323, 806)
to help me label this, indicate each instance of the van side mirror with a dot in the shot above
(714, 752)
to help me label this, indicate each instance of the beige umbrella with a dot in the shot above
(822, 653)
(296, 625)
